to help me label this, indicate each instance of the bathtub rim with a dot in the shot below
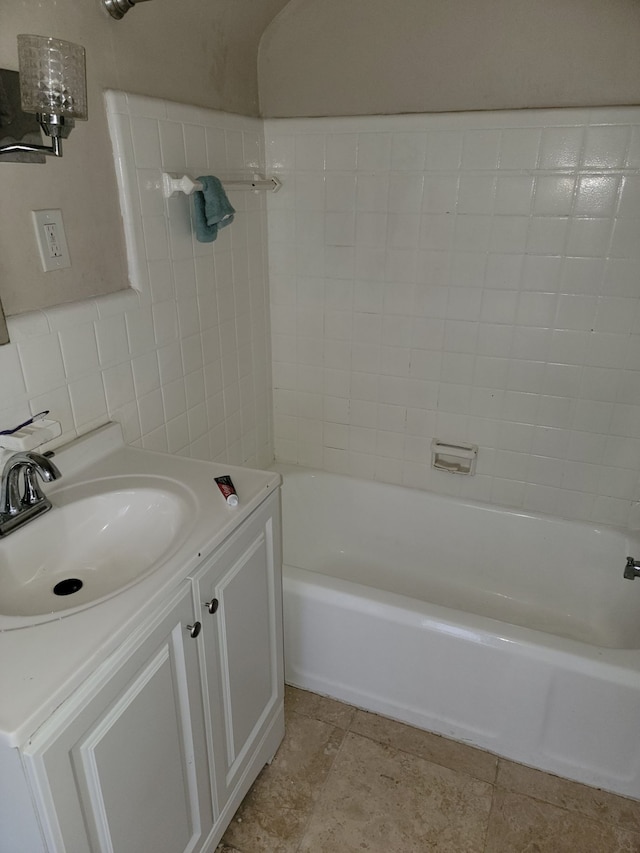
(623, 539)
(477, 628)
(284, 468)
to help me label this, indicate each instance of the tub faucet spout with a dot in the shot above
(632, 569)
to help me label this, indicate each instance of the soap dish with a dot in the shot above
(454, 458)
(31, 436)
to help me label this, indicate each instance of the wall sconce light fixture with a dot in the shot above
(119, 8)
(53, 86)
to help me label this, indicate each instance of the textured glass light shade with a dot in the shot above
(52, 76)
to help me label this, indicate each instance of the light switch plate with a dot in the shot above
(52, 242)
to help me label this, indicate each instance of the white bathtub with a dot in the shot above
(510, 631)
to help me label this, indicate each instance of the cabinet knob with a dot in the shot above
(194, 629)
(212, 605)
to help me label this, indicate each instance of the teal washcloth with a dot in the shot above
(212, 209)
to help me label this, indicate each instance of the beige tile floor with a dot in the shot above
(345, 780)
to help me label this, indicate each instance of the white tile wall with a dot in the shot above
(474, 277)
(182, 360)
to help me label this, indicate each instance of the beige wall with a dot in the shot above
(200, 52)
(364, 57)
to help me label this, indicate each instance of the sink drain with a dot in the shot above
(68, 586)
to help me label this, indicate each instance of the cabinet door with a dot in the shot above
(127, 771)
(242, 648)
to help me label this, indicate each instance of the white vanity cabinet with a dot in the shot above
(239, 593)
(124, 765)
(154, 752)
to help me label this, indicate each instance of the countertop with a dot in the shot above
(41, 665)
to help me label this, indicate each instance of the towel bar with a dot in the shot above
(174, 184)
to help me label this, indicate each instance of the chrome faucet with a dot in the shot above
(21, 498)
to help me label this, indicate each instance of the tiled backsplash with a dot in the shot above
(472, 277)
(183, 361)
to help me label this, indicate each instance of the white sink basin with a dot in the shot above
(100, 538)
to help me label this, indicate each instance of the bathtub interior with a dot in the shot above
(561, 577)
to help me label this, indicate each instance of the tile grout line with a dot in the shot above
(548, 802)
(489, 816)
(326, 779)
